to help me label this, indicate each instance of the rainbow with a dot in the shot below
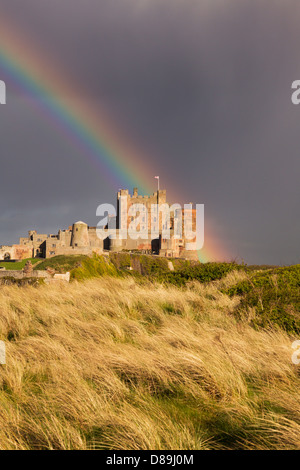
(88, 129)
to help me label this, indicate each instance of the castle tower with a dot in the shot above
(80, 235)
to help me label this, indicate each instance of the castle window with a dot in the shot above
(53, 246)
(52, 252)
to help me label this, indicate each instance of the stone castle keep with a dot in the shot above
(82, 239)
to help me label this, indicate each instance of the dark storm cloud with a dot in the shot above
(204, 86)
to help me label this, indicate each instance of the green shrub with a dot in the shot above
(198, 272)
(275, 295)
(120, 260)
(152, 265)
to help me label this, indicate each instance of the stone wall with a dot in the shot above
(35, 275)
(15, 252)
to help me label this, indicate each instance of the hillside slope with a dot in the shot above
(116, 363)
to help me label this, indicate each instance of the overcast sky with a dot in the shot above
(204, 86)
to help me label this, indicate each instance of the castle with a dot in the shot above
(82, 239)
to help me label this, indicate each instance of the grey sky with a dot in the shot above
(203, 86)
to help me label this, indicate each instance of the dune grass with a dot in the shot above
(113, 363)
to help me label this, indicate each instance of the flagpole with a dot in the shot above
(157, 177)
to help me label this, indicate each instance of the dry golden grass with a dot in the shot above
(113, 364)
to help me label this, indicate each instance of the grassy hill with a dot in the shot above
(61, 263)
(129, 363)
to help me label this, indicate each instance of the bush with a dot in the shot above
(275, 295)
(120, 260)
(152, 265)
(199, 272)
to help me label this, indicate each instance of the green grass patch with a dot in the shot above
(19, 265)
(96, 266)
(62, 263)
(81, 266)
